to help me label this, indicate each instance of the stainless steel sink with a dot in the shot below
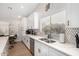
(50, 41)
(43, 39)
(47, 40)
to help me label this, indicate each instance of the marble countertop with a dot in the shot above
(66, 48)
(3, 41)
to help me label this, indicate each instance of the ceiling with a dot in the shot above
(11, 11)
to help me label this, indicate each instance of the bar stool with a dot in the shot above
(12, 39)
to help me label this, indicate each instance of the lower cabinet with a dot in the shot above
(40, 49)
(54, 52)
(5, 51)
(26, 41)
(44, 50)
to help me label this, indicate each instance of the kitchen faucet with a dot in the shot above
(49, 35)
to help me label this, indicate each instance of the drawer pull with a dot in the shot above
(39, 50)
(27, 40)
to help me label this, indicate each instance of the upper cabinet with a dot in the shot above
(33, 21)
(30, 21)
(36, 20)
(24, 25)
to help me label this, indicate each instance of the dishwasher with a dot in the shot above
(32, 46)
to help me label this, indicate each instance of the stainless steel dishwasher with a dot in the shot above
(32, 46)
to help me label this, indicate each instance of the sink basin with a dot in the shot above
(47, 40)
(43, 39)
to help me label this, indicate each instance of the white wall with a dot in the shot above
(14, 26)
(4, 28)
(73, 14)
(59, 17)
(17, 26)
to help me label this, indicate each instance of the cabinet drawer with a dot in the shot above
(26, 41)
(40, 49)
(54, 52)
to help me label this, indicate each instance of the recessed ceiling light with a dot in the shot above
(19, 16)
(22, 6)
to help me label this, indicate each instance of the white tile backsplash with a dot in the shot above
(70, 34)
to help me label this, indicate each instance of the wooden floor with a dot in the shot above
(19, 50)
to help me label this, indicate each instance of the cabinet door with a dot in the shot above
(5, 51)
(54, 52)
(26, 41)
(40, 49)
(24, 25)
(23, 39)
(30, 21)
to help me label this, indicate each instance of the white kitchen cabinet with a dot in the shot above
(5, 51)
(44, 50)
(26, 41)
(30, 21)
(54, 52)
(33, 21)
(40, 49)
(24, 25)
